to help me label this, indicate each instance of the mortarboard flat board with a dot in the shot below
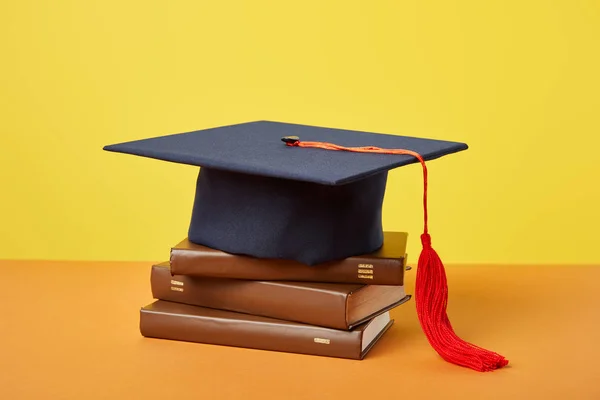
(311, 194)
(257, 197)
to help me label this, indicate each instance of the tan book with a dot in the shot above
(333, 305)
(183, 322)
(383, 267)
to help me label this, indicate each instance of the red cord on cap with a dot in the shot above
(431, 288)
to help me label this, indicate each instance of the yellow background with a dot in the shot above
(517, 80)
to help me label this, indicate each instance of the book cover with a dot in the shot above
(182, 322)
(383, 267)
(333, 305)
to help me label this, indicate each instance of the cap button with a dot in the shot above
(290, 139)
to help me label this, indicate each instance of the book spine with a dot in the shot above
(350, 270)
(303, 339)
(269, 299)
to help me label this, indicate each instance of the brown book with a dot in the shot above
(332, 305)
(382, 267)
(184, 322)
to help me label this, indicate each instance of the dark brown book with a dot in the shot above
(184, 322)
(332, 305)
(382, 267)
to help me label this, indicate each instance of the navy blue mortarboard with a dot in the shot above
(273, 190)
(258, 197)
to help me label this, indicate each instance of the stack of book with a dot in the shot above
(336, 309)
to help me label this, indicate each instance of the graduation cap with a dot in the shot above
(310, 194)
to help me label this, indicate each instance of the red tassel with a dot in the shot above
(431, 296)
(431, 288)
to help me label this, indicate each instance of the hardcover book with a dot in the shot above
(333, 305)
(382, 267)
(184, 322)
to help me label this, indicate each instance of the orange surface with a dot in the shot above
(70, 331)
